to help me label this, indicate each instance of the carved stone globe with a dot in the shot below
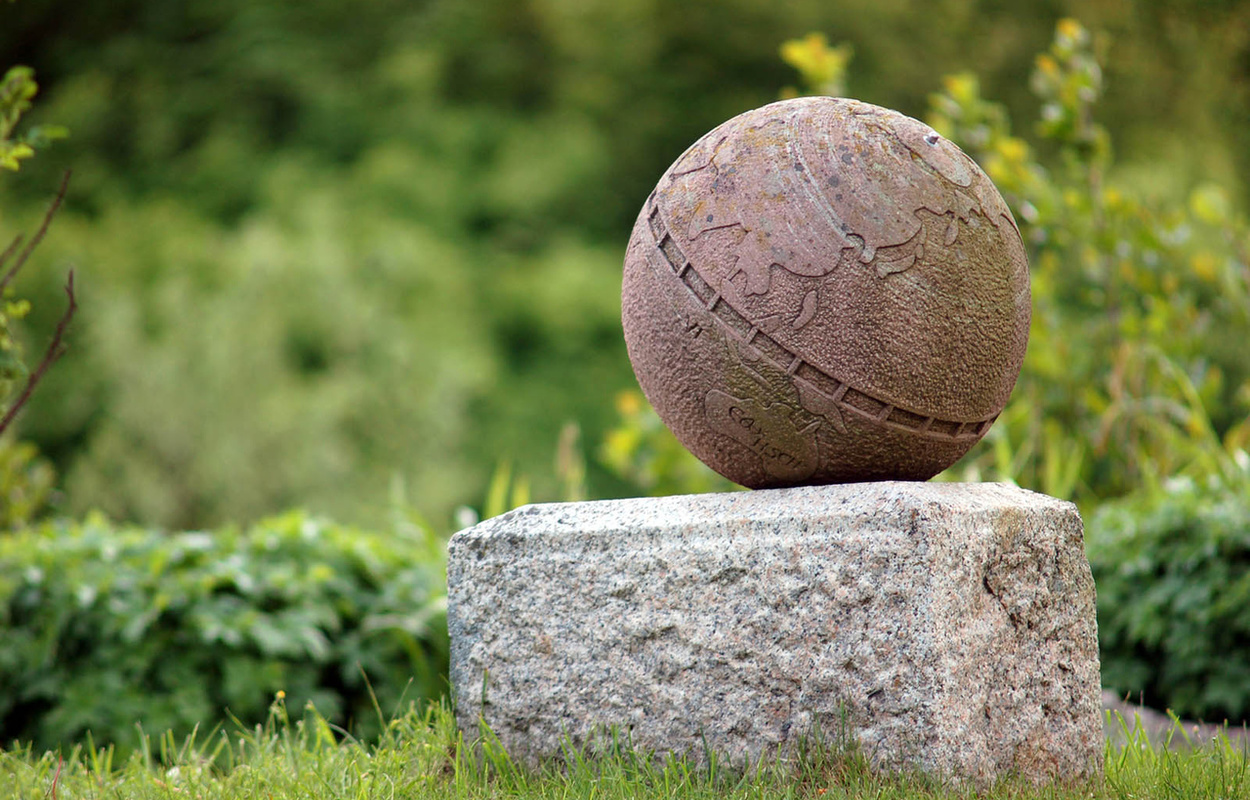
(825, 291)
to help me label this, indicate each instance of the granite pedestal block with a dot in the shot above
(946, 627)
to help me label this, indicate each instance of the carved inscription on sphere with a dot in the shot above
(823, 290)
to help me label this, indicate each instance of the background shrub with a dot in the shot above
(1173, 575)
(105, 626)
(324, 244)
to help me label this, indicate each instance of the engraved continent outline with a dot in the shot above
(756, 257)
(820, 394)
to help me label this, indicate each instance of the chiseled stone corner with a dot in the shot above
(948, 627)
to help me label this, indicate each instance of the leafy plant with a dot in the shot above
(17, 90)
(1130, 375)
(107, 626)
(821, 67)
(24, 479)
(1173, 574)
(26, 483)
(13, 370)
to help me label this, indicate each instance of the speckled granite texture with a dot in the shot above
(949, 627)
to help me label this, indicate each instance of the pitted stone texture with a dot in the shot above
(950, 626)
(822, 291)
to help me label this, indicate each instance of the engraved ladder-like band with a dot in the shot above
(843, 395)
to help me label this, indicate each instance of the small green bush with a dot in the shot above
(1173, 573)
(105, 626)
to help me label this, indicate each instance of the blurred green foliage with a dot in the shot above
(1134, 371)
(822, 68)
(107, 626)
(329, 247)
(25, 478)
(17, 89)
(26, 483)
(17, 92)
(641, 449)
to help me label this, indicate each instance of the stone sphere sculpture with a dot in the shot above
(825, 291)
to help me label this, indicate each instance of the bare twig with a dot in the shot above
(10, 250)
(55, 350)
(34, 242)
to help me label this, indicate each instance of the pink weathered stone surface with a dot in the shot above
(822, 291)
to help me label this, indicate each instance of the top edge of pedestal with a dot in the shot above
(806, 503)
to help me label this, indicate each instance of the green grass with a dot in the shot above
(421, 755)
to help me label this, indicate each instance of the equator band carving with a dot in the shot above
(847, 398)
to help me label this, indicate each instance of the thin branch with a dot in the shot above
(34, 242)
(10, 250)
(55, 350)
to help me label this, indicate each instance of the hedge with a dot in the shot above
(102, 627)
(1173, 573)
